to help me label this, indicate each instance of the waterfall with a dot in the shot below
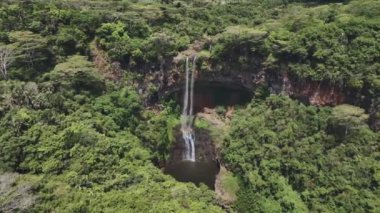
(187, 113)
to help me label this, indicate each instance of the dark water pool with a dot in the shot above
(195, 172)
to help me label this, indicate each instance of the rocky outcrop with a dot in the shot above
(110, 70)
(15, 195)
(312, 92)
(224, 196)
(317, 93)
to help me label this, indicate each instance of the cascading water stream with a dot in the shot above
(187, 114)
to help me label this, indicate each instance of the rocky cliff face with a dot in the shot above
(232, 74)
(307, 91)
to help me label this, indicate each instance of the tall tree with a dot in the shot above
(6, 56)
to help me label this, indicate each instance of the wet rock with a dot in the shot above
(204, 146)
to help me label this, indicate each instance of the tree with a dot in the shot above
(6, 58)
(78, 74)
(30, 55)
(346, 119)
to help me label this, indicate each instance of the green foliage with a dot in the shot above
(149, 196)
(241, 41)
(70, 41)
(157, 131)
(346, 119)
(138, 47)
(123, 107)
(230, 184)
(78, 74)
(31, 55)
(365, 8)
(89, 161)
(332, 42)
(290, 160)
(87, 145)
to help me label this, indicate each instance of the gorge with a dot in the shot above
(189, 106)
(193, 166)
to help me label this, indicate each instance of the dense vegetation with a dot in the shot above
(84, 147)
(292, 157)
(78, 130)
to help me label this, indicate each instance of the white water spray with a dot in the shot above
(187, 114)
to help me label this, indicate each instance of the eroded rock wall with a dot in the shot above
(252, 74)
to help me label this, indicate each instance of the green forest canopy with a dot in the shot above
(85, 143)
